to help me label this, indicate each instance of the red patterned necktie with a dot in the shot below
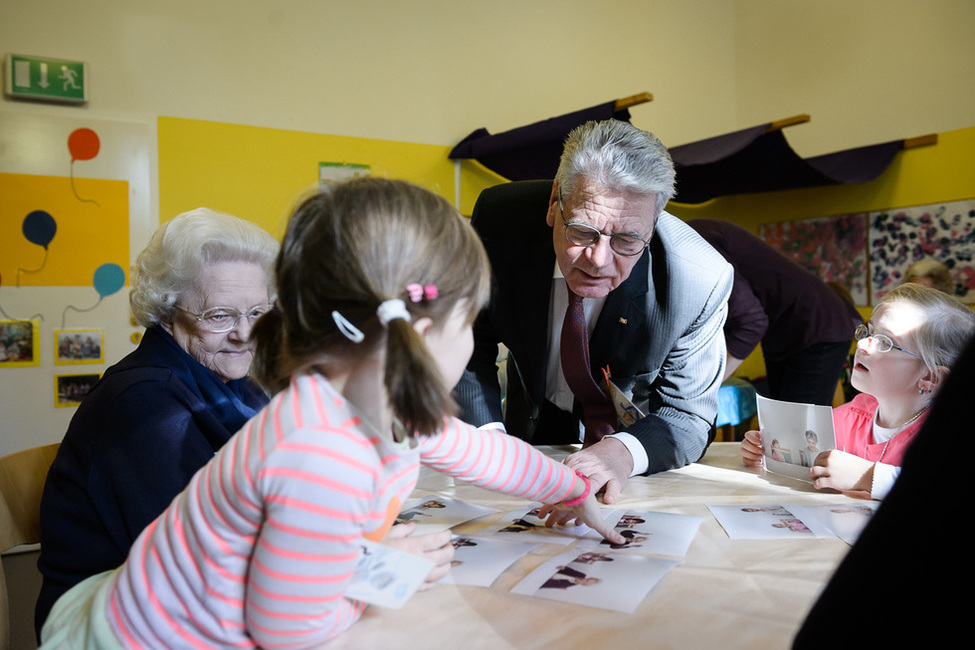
(599, 416)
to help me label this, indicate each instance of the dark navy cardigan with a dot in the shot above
(140, 434)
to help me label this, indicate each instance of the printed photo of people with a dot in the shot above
(78, 346)
(793, 435)
(69, 390)
(614, 581)
(771, 521)
(478, 561)
(650, 532)
(18, 343)
(434, 513)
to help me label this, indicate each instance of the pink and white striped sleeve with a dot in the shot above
(496, 461)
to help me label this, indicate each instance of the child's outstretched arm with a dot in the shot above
(752, 453)
(493, 460)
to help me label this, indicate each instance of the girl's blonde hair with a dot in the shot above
(947, 328)
(348, 248)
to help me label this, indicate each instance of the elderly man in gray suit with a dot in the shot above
(654, 295)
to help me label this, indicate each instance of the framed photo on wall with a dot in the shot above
(19, 343)
(77, 346)
(69, 390)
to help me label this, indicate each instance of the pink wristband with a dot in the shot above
(579, 499)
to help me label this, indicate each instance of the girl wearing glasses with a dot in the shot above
(903, 356)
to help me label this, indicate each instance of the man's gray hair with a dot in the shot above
(619, 157)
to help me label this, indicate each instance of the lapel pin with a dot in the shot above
(622, 321)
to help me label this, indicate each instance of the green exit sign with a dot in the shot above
(53, 80)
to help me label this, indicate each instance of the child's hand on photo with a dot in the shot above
(587, 513)
(752, 452)
(841, 471)
(432, 546)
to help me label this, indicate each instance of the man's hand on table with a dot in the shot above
(608, 464)
(432, 546)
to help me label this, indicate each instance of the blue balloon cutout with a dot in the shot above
(39, 228)
(108, 279)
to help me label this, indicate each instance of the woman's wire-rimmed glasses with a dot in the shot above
(881, 342)
(218, 320)
(579, 234)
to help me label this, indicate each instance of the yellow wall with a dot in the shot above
(933, 174)
(257, 173)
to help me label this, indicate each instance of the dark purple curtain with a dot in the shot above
(746, 161)
(533, 151)
(753, 160)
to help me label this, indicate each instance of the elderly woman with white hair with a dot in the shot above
(159, 414)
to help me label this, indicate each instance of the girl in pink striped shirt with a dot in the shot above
(379, 283)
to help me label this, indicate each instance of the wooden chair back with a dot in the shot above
(22, 476)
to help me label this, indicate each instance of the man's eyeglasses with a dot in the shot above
(218, 320)
(881, 342)
(579, 234)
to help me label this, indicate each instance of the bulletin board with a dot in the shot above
(74, 212)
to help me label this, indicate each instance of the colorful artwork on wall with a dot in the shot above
(943, 232)
(869, 253)
(834, 248)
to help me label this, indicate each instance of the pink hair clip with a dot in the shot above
(418, 292)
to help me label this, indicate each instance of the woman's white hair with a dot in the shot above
(178, 251)
(619, 157)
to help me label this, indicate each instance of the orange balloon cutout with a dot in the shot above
(83, 144)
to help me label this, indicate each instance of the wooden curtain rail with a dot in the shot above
(789, 121)
(921, 141)
(632, 100)
(909, 143)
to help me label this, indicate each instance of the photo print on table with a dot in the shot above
(478, 561)
(525, 524)
(434, 513)
(845, 520)
(649, 532)
(769, 521)
(613, 581)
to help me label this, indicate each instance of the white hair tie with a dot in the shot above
(392, 309)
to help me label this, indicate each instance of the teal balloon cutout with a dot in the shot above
(108, 279)
(39, 228)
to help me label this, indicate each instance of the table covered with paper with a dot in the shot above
(717, 555)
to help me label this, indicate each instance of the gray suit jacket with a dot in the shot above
(660, 331)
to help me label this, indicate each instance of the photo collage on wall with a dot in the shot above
(62, 234)
(868, 253)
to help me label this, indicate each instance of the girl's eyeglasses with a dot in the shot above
(882, 342)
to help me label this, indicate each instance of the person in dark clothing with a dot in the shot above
(159, 414)
(804, 326)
